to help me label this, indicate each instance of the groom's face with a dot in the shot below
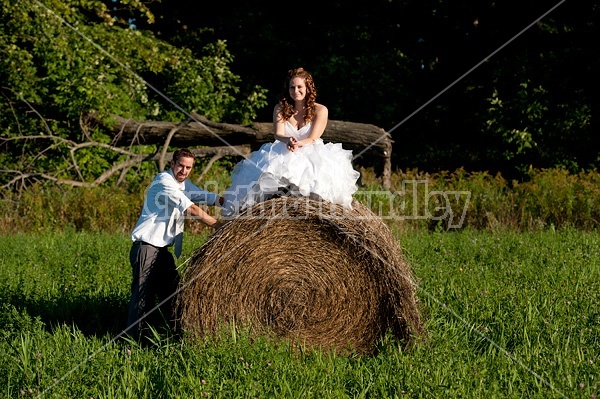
(182, 168)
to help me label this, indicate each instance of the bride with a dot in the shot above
(298, 163)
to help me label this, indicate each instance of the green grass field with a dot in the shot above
(509, 315)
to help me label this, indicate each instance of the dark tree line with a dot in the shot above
(532, 103)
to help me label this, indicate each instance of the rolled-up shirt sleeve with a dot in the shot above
(198, 195)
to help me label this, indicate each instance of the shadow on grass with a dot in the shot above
(92, 315)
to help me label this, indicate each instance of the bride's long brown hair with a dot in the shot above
(286, 103)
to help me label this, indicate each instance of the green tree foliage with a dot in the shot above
(395, 64)
(63, 59)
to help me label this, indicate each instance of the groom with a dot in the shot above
(169, 198)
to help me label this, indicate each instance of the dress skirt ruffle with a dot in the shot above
(317, 170)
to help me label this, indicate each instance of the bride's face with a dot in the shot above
(297, 89)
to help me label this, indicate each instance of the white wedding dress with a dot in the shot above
(317, 170)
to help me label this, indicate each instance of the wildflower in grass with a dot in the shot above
(581, 385)
(128, 351)
(22, 392)
(203, 382)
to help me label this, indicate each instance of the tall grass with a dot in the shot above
(416, 200)
(511, 315)
(99, 209)
(552, 198)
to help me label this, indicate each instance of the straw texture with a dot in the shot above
(312, 272)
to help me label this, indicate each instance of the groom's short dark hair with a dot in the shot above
(183, 152)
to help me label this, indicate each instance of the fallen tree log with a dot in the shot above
(371, 145)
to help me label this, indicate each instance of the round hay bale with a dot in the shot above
(313, 272)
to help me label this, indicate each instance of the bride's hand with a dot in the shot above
(292, 144)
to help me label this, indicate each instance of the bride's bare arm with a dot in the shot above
(318, 126)
(279, 125)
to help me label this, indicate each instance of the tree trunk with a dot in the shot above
(370, 144)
